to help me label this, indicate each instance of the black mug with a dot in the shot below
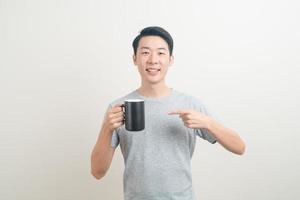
(134, 110)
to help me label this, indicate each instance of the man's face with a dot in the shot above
(153, 59)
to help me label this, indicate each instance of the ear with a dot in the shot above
(134, 59)
(171, 60)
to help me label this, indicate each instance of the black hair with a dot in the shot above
(153, 31)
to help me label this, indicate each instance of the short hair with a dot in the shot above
(153, 31)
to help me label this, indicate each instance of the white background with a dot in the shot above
(63, 61)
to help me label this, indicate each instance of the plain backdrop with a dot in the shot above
(63, 61)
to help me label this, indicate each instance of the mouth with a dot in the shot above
(153, 71)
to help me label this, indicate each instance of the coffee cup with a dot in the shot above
(134, 114)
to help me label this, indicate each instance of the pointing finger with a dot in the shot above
(180, 112)
(174, 112)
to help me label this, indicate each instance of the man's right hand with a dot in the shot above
(114, 118)
(103, 152)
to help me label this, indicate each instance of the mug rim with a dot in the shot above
(134, 100)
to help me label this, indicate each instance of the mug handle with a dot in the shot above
(123, 109)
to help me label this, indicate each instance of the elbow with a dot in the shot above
(97, 171)
(98, 174)
(241, 149)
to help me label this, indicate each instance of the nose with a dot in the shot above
(153, 59)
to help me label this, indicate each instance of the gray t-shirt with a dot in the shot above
(158, 159)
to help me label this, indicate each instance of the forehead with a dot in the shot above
(152, 42)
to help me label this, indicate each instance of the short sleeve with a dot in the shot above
(115, 137)
(206, 135)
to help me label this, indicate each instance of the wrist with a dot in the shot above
(107, 130)
(209, 123)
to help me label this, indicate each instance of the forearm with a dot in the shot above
(102, 154)
(228, 138)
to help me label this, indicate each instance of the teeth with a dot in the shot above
(153, 70)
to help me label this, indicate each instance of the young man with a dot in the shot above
(157, 159)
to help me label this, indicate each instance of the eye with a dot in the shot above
(145, 52)
(161, 53)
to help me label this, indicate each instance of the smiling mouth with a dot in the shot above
(152, 70)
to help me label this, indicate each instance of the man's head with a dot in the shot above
(154, 31)
(153, 54)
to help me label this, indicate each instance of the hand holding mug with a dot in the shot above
(114, 118)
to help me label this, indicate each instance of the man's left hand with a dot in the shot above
(192, 118)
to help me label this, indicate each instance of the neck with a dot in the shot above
(154, 91)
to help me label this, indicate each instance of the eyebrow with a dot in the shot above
(160, 48)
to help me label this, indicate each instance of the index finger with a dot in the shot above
(178, 112)
(117, 108)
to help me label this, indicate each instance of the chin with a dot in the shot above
(153, 81)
